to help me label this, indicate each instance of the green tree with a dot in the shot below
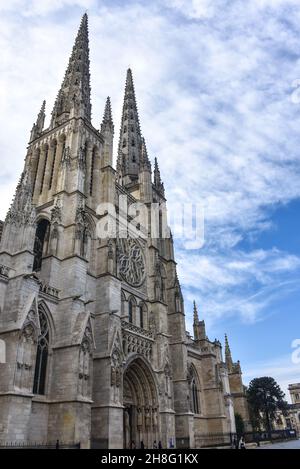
(265, 397)
(239, 424)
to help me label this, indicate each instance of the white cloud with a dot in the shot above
(214, 99)
(281, 368)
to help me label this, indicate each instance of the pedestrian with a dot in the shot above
(154, 445)
(57, 444)
(234, 443)
(159, 445)
(242, 444)
(142, 445)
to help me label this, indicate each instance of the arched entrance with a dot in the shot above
(141, 416)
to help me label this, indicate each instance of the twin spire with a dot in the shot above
(75, 91)
(131, 145)
(74, 100)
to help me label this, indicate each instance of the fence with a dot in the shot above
(37, 445)
(273, 435)
(203, 440)
(210, 440)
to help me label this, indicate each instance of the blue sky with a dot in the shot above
(219, 105)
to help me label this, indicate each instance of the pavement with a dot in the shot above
(291, 444)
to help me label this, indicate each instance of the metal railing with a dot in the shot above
(37, 445)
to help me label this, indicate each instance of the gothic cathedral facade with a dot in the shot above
(94, 327)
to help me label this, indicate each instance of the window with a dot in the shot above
(53, 163)
(41, 355)
(141, 317)
(92, 170)
(130, 311)
(297, 397)
(195, 402)
(41, 236)
(44, 169)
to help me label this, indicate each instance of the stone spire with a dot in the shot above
(73, 98)
(196, 317)
(38, 127)
(107, 131)
(228, 357)
(157, 179)
(107, 121)
(130, 144)
(199, 326)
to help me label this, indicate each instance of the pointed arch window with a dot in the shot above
(41, 238)
(130, 311)
(133, 142)
(38, 154)
(92, 170)
(40, 372)
(46, 150)
(141, 311)
(53, 163)
(195, 399)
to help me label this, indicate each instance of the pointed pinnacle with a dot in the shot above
(196, 317)
(157, 178)
(107, 120)
(129, 79)
(228, 357)
(226, 342)
(43, 108)
(144, 162)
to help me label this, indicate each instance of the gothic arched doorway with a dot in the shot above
(140, 406)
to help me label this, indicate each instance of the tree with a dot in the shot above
(265, 398)
(239, 424)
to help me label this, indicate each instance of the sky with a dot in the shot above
(218, 90)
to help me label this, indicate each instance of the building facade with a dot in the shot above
(91, 309)
(291, 418)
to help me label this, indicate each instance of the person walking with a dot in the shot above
(154, 445)
(142, 445)
(159, 445)
(242, 444)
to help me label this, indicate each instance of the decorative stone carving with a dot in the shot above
(56, 212)
(131, 262)
(81, 160)
(137, 340)
(66, 156)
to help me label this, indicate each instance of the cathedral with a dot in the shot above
(91, 309)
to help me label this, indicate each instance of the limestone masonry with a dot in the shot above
(97, 351)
